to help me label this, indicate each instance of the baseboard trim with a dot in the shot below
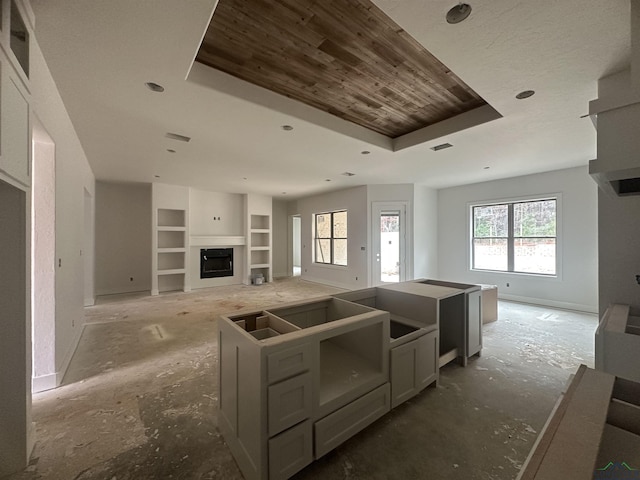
(549, 303)
(44, 383)
(89, 302)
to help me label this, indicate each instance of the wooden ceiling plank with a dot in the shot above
(345, 57)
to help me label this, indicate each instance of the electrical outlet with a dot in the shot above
(507, 284)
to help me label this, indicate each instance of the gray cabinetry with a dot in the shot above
(413, 366)
(297, 380)
(285, 370)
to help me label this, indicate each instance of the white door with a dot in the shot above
(388, 239)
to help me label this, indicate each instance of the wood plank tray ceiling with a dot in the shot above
(345, 57)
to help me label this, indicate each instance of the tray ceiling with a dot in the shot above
(345, 57)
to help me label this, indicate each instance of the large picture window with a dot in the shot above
(330, 237)
(515, 237)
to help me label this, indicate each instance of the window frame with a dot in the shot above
(511, 238)
(331, 238)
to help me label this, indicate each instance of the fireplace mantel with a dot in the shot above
(216, 240)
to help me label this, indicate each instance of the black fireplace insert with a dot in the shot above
(216, 262)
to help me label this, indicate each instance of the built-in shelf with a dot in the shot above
(260, 222)
(258, 241)
(171, 218)
(170, 229)
(170, 239)
(260, 265)
(171, 271)
(170, 250)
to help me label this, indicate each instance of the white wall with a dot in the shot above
(281, 241)
(206, 207)
(425, 232)
(73, 176)
(354, 200)
(123, 238)
(619, 241)
(577, 284)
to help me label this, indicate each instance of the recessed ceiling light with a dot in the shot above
(287, 128)
(284, 193)
(157, 176)
(458, 13)
(327, 179)
(486, 168)
(348, 174)
(442, 146)
(244, 178)
(154, 87)
(365, 152)
(171, 150)
(525, 94)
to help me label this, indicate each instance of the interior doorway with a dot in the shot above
(43, 215)
(296, 241)
(389, 244)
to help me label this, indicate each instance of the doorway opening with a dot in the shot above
(296, 240)
(43, 304)
(388, 235)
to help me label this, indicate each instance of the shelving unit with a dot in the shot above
(259, 251)
(170, 232)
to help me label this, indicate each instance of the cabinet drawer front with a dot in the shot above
(289, 362)
(290, 451)
(342, 424)
(289, 403)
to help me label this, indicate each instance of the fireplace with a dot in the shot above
(216, 262)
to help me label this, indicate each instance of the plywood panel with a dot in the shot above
(345, 57)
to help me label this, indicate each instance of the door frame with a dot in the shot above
(376, 210)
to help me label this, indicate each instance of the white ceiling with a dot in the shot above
(102, 53)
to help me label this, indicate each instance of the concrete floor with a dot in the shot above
(139, 399)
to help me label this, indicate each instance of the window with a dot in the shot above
(330, 231)
(515, 237)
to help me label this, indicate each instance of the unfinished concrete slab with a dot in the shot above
(140, 398)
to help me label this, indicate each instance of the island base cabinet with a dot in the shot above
(414, 366)
(290, 451)
(344, 423)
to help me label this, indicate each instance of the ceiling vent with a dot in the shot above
(442, 146)
(175, 136)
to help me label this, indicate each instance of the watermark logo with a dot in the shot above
(616, 471)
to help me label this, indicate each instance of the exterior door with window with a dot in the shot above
(388, 240)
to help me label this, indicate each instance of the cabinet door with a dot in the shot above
(428, 356)
(290, 451)
(414, 366)
(404, 367)
(474, 323)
